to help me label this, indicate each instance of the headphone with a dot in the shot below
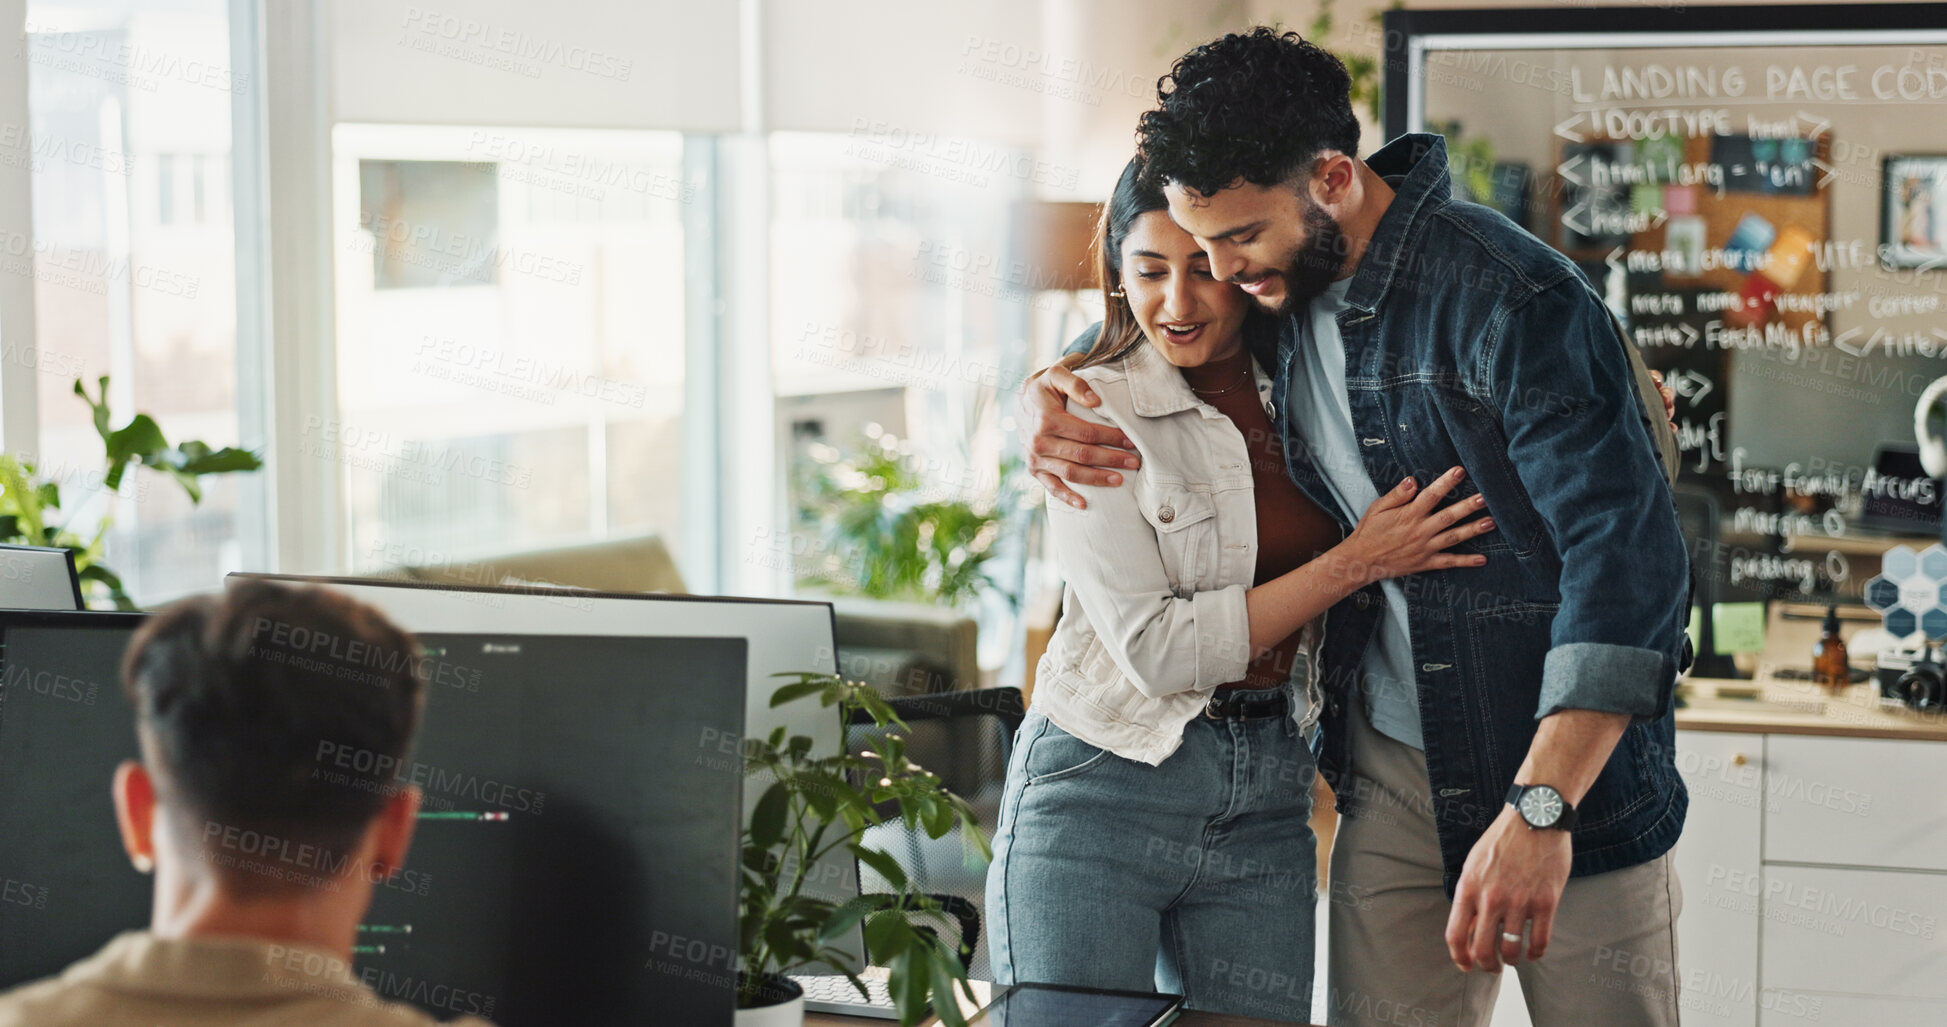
(1933, 450)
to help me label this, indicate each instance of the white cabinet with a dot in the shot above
(1832, 931)
(1813, 884)
(1718, 867)
(1813, 881)
(1801, 1009)
(1856, 801)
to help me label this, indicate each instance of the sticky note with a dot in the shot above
(1788, 257)
(1679, 199)
(1645, 198)
(1739, 627)
(1683, 245)
(1754, 300)
(1749, 240)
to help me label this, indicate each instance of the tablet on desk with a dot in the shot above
(1049, 1005)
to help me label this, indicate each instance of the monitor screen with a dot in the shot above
(64, 726)
(575, 850)
(1899, 496)
(784, 636)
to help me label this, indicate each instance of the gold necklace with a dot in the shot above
(1241, 379)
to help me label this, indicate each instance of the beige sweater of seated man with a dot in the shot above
(139, 980)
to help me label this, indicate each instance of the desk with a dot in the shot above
(1791, 707)
(1188, 1019)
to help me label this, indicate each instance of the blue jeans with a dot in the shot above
(1196, 877)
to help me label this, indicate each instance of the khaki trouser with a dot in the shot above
(1612, 959)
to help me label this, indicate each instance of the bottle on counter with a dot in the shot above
(1829, 667)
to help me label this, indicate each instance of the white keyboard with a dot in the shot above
(832, 993)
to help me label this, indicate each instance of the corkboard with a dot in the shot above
(1721, 214)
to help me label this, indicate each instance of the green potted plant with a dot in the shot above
(886, 530)
(29, 502)
(814, 806)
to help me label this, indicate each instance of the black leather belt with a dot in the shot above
(1247, 703)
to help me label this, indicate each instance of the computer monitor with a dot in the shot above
(65, 886)
(38, 578)
(574, 855)
(1900, 497)
(785, 636)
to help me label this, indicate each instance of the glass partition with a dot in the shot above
(1766, 211)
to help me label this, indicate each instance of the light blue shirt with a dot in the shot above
(1321, 415)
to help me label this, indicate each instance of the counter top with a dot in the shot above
(1802, 708)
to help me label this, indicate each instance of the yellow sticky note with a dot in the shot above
(1739, 627)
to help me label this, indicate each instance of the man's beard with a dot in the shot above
(1315, 264)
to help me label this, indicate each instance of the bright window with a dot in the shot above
(510, 325)
(135, 267)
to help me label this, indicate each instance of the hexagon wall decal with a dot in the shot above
(1910, 592)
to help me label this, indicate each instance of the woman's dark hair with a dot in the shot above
(1258, 106)
(1132, 198)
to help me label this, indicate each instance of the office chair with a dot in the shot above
(966, 738)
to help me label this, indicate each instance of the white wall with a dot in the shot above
(1104, 57)
(1064, 78)
(901, 66)
(646, 64)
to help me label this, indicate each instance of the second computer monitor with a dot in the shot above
(785, 636)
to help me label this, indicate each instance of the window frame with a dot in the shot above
(20, 427)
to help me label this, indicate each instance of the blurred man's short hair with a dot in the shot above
(287, 712)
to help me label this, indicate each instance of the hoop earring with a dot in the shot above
(1118, 294)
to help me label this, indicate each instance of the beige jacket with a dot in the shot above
(1153, 616)
(139, 980)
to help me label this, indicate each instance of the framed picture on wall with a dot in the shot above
(1913, 211)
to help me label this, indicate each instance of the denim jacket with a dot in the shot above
(1470, 342)
(1153, 615)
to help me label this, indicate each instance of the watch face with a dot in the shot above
(1541, 806)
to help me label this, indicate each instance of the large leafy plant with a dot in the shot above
(815, 806)
(885, 530)
(30, 502)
